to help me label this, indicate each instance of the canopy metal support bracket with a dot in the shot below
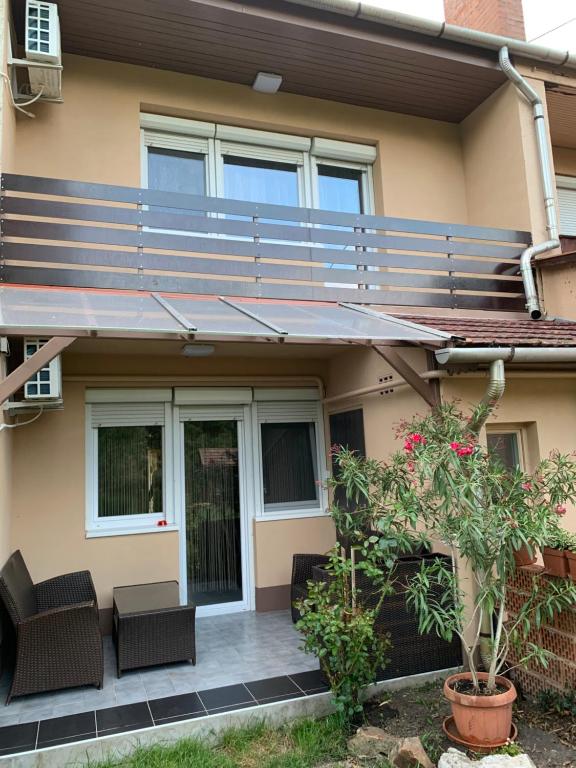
(28, 368)
(426, 390)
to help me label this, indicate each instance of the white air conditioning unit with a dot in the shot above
(43, 47)
(46, 384)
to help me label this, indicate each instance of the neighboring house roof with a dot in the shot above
(499, 332)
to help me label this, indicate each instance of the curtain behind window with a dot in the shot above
(289, 463)
(129, 471)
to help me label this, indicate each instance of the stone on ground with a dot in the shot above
(372, 742)
(456, 759)
(409, 753)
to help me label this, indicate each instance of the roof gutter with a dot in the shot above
(439, 29)
(532, 300)
(452, 355)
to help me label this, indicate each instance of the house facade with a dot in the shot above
(210, 351)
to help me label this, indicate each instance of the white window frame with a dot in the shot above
(291, 411)
(304, 152)
(497, 429)
(128, 524)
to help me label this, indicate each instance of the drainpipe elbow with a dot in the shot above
(526, 270)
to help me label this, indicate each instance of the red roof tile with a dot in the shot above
(499, 332)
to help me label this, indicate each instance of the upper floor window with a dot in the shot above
(258, 166)
(566, 187)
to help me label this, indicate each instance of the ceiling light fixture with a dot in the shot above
(266, 82)
(197, 350)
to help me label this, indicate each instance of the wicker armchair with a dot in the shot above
(58, 638)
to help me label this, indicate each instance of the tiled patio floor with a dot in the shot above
(231, 649)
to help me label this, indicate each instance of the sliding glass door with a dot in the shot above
(214, 530)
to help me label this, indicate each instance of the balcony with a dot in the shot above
(77, 234)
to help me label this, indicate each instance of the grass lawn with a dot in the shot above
(302, 744)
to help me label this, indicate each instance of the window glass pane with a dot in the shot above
(260, 181)
(129, 471)
(289, 463)
(173, 171)
(504, 445)
(340, 189)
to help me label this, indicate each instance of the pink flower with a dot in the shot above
(455, 446)
(526, 486)
(416, 437)
(560, 509)
(410, 466)
(465, 450)
(408, 447)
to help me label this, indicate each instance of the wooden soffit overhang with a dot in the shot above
(318, 53)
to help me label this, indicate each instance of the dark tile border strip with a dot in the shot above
(42, 734)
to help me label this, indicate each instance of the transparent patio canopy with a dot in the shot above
(109, 313)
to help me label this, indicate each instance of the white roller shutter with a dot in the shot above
(286, 412)
(567, 204)
(127, 414)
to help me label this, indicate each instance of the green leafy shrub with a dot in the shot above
(341, 633)
(560, 702)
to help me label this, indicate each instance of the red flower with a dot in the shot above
(408, 447)
(560, 509)
(526, 486)
(455, 446)
(416, 437)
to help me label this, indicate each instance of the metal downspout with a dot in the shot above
(532, 300)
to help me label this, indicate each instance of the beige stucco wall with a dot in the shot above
(358, 368)
(503, 186)
(94, 135)
(48, 503)
(545, 407)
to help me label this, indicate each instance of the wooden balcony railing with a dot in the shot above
(68, 233)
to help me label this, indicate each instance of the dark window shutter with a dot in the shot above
(347, 430)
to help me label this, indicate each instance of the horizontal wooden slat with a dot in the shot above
(64, 188)
(177, 284)
(235, 268)
(183, 242)
(278, 252)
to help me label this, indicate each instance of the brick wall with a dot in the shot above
(500, 17)
(558, 637)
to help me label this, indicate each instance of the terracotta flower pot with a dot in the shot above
(571, 560)
(522, 556)
(481, 720)
(555, 562)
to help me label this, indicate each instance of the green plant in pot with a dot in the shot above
(483, 513)
(570, 552)
(554, 553)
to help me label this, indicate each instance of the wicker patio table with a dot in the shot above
(151, 627)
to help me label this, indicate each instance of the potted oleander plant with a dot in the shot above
(483, 513)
